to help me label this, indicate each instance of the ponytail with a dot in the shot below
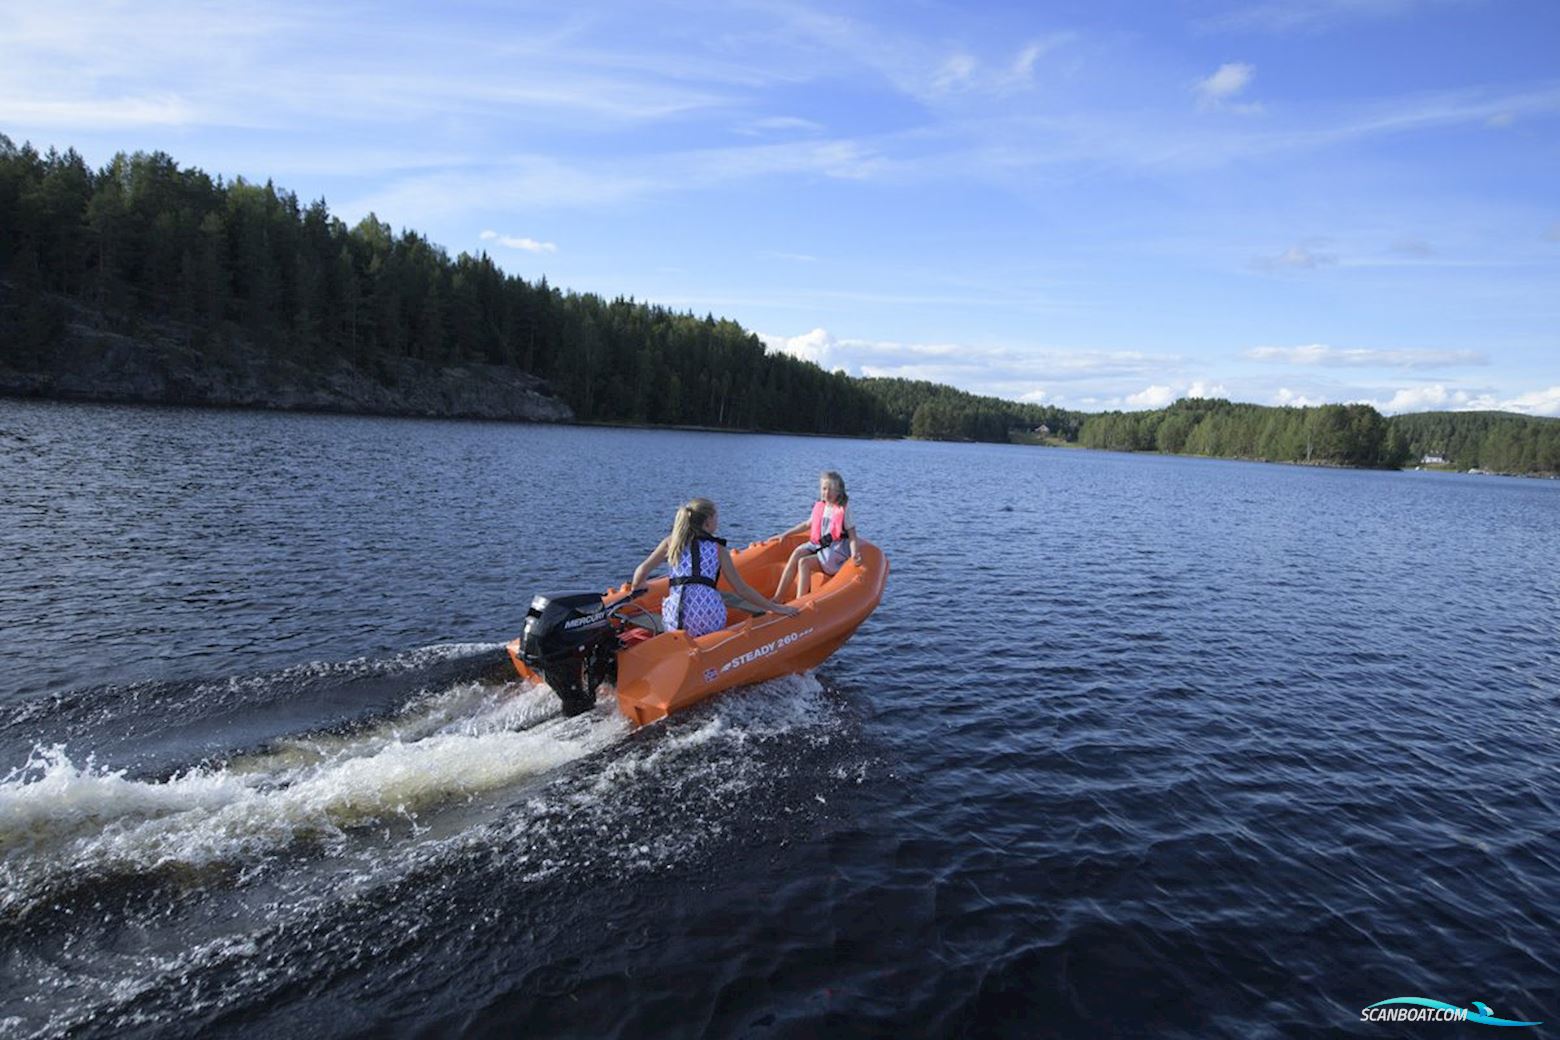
(687, 522)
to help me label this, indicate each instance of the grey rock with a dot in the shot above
(161, 366)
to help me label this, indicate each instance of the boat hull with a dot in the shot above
(670, 672)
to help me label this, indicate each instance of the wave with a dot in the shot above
(62, 823)
(68, 824)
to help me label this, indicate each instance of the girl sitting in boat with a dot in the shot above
(696, 559)
(832, 533)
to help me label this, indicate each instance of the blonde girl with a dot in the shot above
(696, 559)
(832, 531)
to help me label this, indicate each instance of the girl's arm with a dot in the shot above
(805, 525)
(655, 559)
(850, 528)
(746, 591)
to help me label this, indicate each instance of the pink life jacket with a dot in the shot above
(836, 522)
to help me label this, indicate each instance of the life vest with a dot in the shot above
(696, 566)
(836, 523)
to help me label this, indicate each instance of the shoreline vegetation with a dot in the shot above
(151, 283)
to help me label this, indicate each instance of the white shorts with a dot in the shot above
(833, 558)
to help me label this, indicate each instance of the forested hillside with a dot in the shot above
(143, 240)
(1499, 441)
(1334, 434)
(1342, 435)
(940, 412)
(241, 268)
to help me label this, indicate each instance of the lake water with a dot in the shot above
(1134, 745)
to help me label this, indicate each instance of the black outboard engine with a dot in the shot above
(572, 642)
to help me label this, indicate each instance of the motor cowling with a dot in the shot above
(571, 641)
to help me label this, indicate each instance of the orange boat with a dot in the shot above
(574, 643)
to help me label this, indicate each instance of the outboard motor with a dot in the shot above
(572, 642)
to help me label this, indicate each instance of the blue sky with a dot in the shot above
(1097, 205)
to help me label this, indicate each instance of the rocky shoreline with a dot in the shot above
(90, 363)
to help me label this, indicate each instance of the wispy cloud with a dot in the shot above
(1226, 84)
(1439, 398)
(162, 109)
(529, 245)
(1321, 354)
(538, 181)
(1012, 373)
(780, 125)
(1295, 258)
(1287, 16)
(955, 72)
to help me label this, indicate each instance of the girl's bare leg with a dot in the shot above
(804, 572)
(785, 575)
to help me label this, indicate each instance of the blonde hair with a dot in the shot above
(838, 483)
(688, 521)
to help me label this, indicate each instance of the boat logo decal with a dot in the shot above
(588, 619)
(762, 651)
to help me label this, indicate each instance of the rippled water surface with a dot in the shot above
(1134, 746)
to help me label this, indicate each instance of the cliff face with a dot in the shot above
(87, 363)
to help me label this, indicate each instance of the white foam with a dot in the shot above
(57, 819)
(60, 821)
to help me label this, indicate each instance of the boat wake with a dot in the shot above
(133, 898)
(66, 824)
(446, 761)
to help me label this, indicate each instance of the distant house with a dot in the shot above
(1433, 459)
(1043, 430)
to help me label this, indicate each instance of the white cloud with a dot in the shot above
(1294, 258)
(1006, 372)
(537, 181)
(1203, 389)
(1439, 398)
(1225, 85)
(1151, 397)
(530, 245)
(1023, 67)
(779, 125)
(1539, 402)
(956, 72)
(165, 109)
(1501, 120)
(818, 346)
(1357, 357)
(1286, 396)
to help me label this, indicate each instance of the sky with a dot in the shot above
(1100, 204)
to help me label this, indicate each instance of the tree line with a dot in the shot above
(236, 265)
(1333, 434)
(233, 265)
(935, 411)
(1498, 441)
